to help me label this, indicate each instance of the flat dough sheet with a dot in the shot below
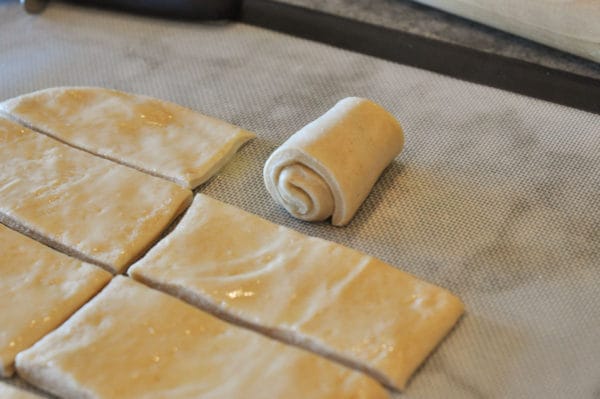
(99, 211)
(131, 341)
(157, 137)
(10, 392)
(39, 289)
(314, 293)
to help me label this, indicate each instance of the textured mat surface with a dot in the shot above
(496, 196)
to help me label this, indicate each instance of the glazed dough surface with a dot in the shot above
(84, 205)
(131, 341)
(328, 168)
(39, 289)
(315, 293)
(157, 137)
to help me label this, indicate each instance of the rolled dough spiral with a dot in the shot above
(328, 168)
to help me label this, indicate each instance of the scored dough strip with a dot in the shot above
(86, 206)
(40, 288)
(132, 342)
(154, 136)
(306, 291)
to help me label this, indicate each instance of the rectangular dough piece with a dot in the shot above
(319, 295)
(131, 341)
(10, 392)
(154, 136)
(39, 289)
(86, 206)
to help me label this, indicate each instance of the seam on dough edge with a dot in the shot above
(32, 233)
(282, 335)
(176, 218)
(172, 179)
(13, 224)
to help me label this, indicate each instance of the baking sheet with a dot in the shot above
(496, 196)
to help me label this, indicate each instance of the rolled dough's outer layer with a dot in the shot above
(133, 342)
(39, 289)
(317, 294)
(154, 136)
(86, 206)
(328, 168)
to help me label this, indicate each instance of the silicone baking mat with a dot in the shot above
(495, 197)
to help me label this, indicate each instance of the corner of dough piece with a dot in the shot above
(220, 159)
(305, 291)
(154, 136)
(132, 341)
(11, 392)
(40, 288)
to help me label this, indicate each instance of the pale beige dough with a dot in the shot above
(131, 341)
(94, 209)
(328, 168)
(39, 289)
(157, 137)
(303, 290)
(10, 392)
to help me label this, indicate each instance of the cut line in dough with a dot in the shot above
(39, 289)
(157, 137)
(302, 290)
(132, 342)
(86, 206)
